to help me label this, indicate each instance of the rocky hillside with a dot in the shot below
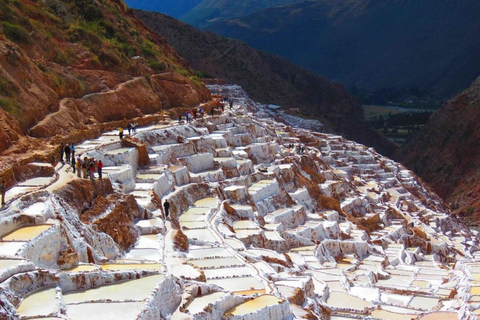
(267, 78)
(67, 67)
(446, 152)
(394, 45)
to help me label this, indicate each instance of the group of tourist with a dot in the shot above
(68, 151)
(131, 127)
(300, 147)
(83, 168)
(192, 114)
(87, 167)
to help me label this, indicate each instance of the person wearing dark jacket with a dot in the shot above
(3, 189)
(67, 153)
(166, 206)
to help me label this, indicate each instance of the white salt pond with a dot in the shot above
(388, 315)
(82, 268)
(194, 224)
(209, 253)
(40, 303)
(217, 263)
(200, 234)
(131, 266)
(253, 305)
(10, 248)
(228, 272)
(207, 203)
(144, 254)
(104, 311)
(35, 208)
(26, 233)
(238, 284)
(148, 241)
(16, 191)
(136, 290)
(199, 303)
(343, 300)
(36, 182)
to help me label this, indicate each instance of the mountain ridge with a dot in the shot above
(371, 44)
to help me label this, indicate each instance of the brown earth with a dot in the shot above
(66, 73)
(446, 153)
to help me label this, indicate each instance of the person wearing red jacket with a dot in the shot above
(99, 169)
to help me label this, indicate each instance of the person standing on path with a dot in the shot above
(166, 206)
(72, 149)
(74, 164)
(79, 167)
(92, 169)
(120, 133)
(129, 128)
(85, 167)
(62, 150)
(67, 153)
(99, 169)
(3, 189)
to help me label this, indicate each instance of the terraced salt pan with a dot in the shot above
(40, 303)
(199, 303)
(132, 290)
(388, 315)
(148, 177)
(208, 253)
(17, 191)
(9, 248)
(235, 244)
(148, 241)
(118, 151)
(238, 284)
(26, 233)
(36, 182)
(424, 303)
(144, 254)
(200, 234)
(104, 311)
(34, 209)
(228, 272)
(193, 224)
(217, 263)
(245, 224)
(338, 300)
(254, 305)
(207, 203)
(82, 268)
(131, 266)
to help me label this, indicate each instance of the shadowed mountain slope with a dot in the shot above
(268, 78)
(428, 45)
(446, 152)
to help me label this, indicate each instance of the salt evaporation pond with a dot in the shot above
(26, 233)
(138, 289)
(207, 203)
(254, 305)
(199, 303)
(104, 310)
(40, 303)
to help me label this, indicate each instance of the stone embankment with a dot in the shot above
(266, 221)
